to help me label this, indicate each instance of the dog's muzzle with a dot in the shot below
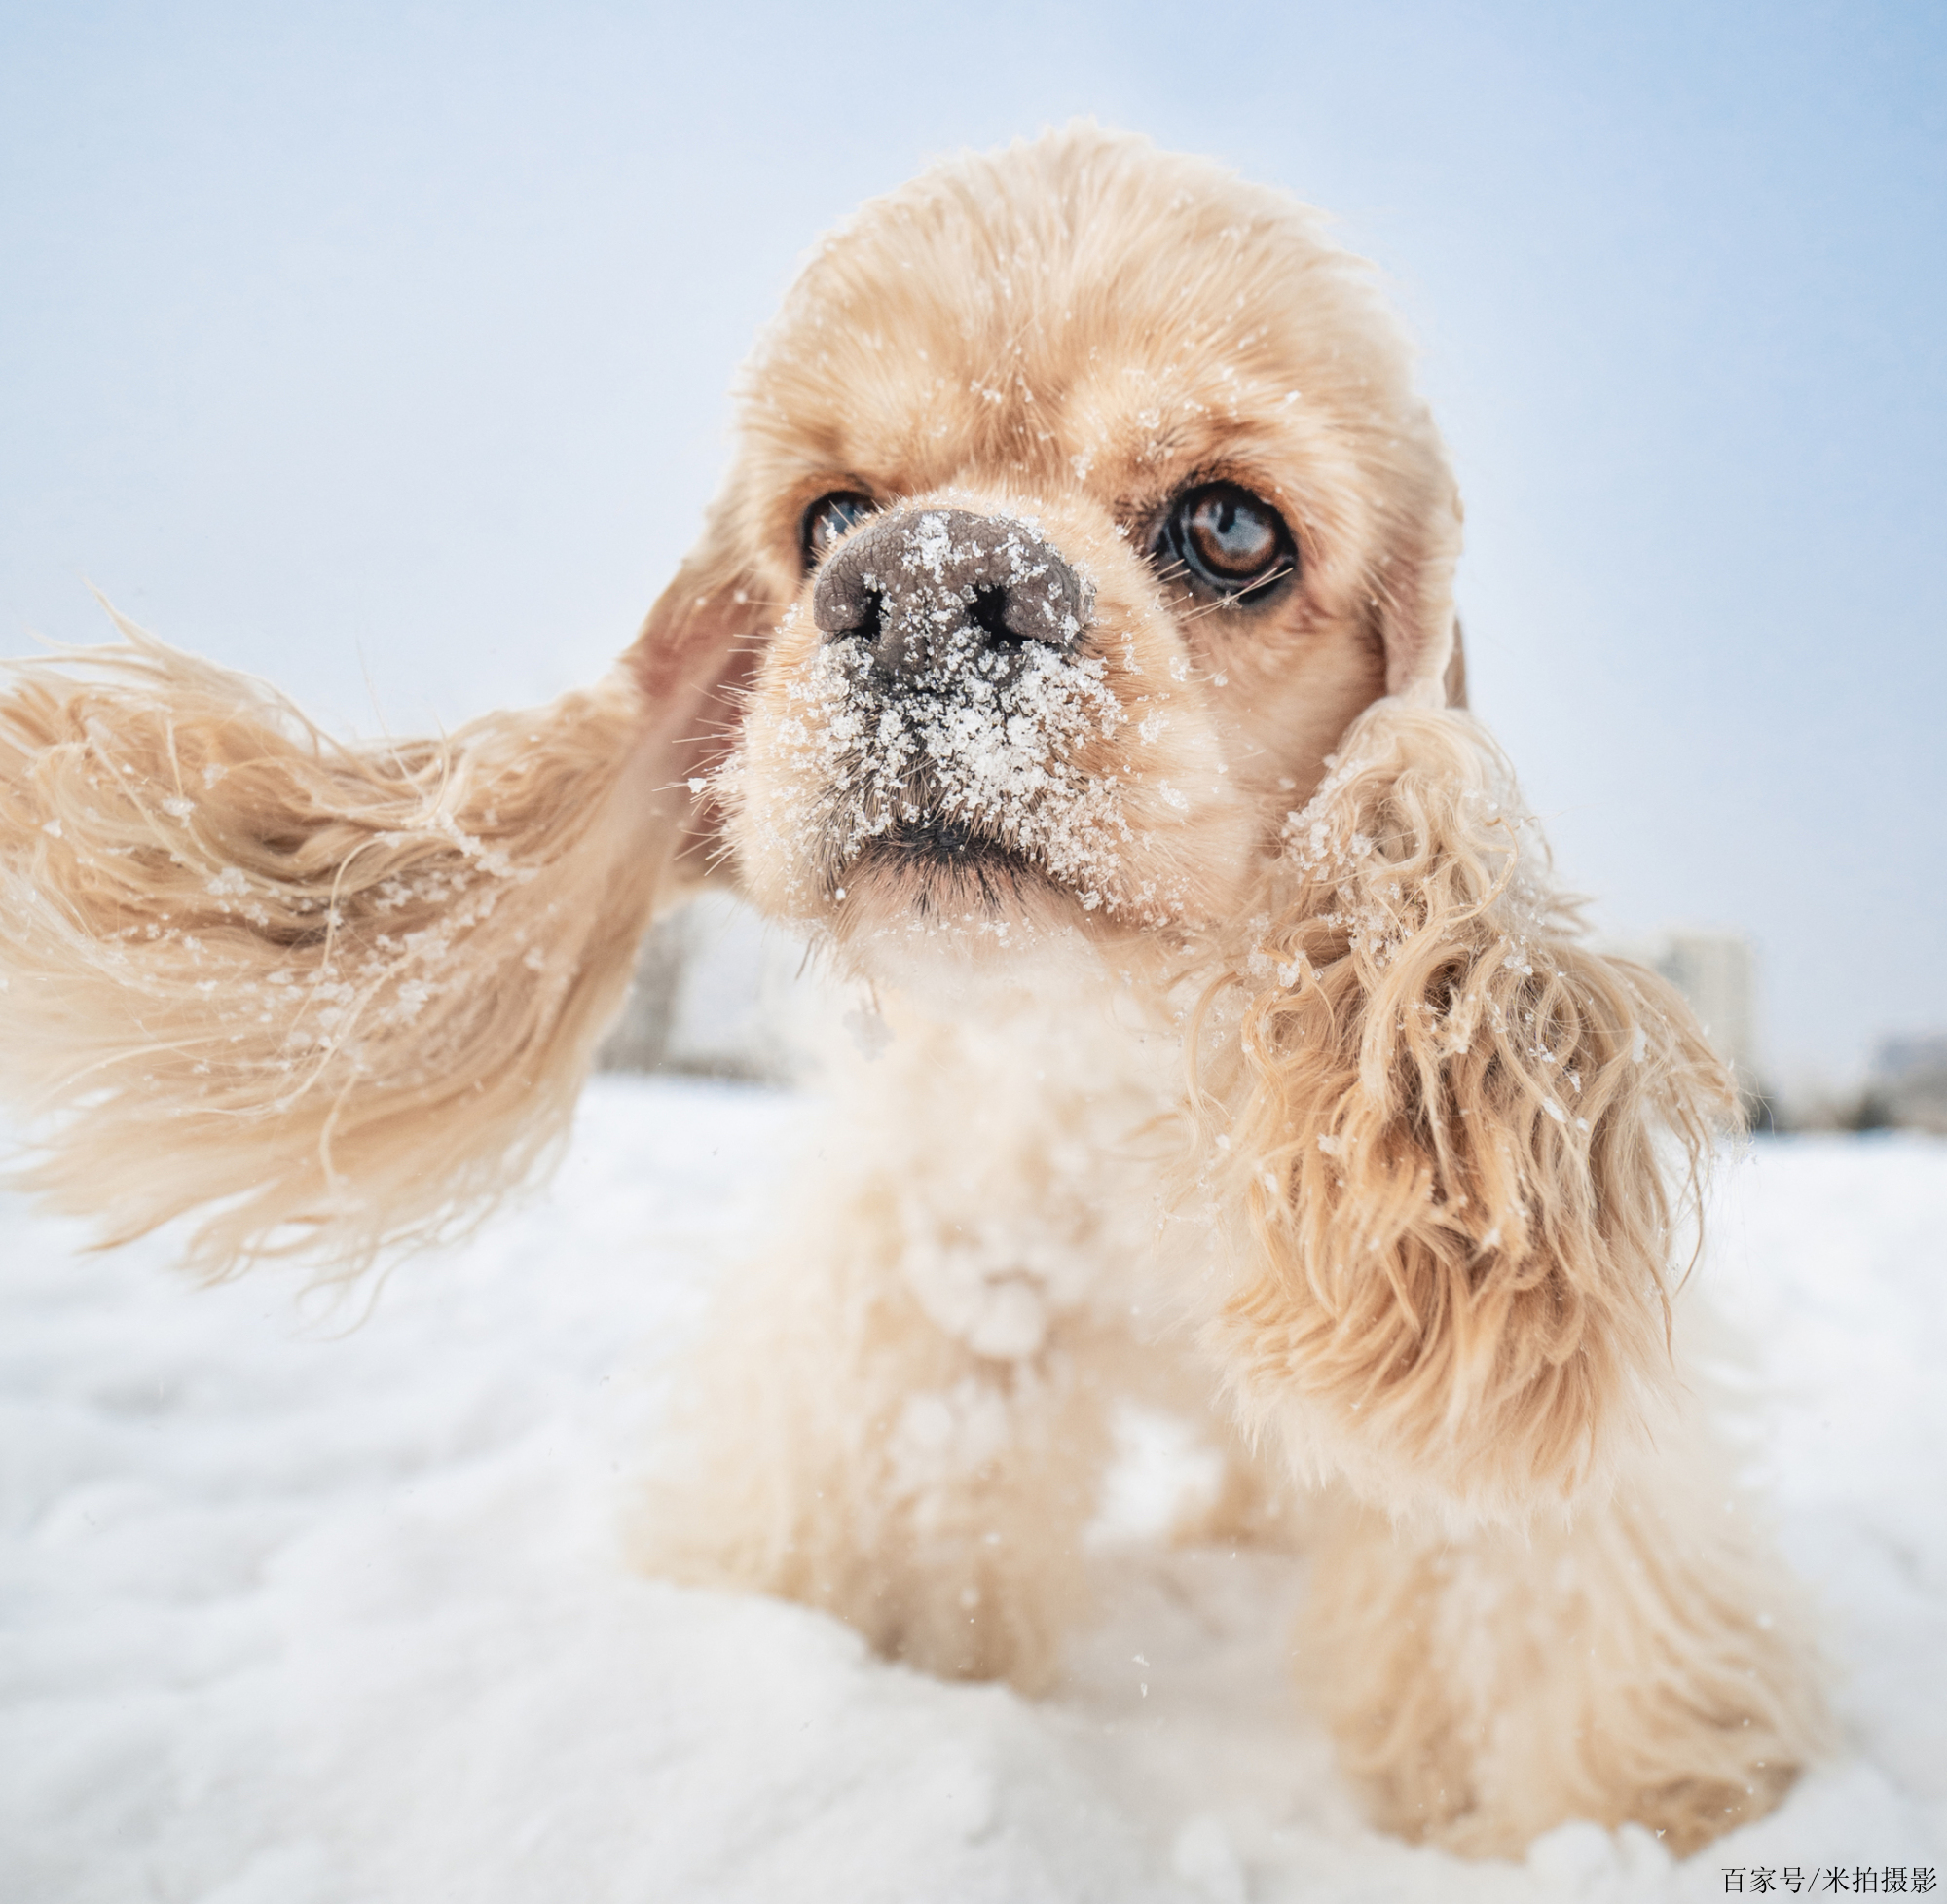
(932, 591)
(954, 707)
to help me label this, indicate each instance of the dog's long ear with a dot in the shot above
(1411, 581)
(333, 996)
(1448, 1124)
(699, 648)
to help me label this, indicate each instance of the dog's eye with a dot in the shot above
(827, 520)
(1229, 540)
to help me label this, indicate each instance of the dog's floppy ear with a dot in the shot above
(698, 649)
(1447, 1115)
(1412, 583)
(333, 996)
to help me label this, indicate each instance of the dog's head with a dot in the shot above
(1081, 499)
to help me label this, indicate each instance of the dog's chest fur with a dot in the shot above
(1017, 1156)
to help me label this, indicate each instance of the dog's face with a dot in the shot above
(1080, 500)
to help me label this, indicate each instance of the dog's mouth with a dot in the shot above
(940, 864)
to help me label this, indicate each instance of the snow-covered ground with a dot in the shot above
(293, 1612)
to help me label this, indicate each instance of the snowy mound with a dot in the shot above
(302, 1612)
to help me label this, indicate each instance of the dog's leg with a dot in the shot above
(902, 1418)
(836, 1446)
(1640, 1661)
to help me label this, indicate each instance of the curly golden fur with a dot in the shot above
(1459, 1232)
(1238, 1050)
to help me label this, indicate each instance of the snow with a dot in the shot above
(303, 1607)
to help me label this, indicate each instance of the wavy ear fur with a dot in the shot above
(343, 996)
(1450, 1120)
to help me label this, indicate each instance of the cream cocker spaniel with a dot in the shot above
(1072, 656)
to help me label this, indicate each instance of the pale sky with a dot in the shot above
(382, 351)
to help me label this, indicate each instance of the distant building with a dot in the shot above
(1908, 1086)
(711, 996)
(1716, 972)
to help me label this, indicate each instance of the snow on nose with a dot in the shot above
(929, 591)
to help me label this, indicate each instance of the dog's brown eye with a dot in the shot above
(1229, 540)
(827, 520)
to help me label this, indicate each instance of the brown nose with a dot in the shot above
(932, 589)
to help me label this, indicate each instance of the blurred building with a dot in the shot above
(1908, 1085)
(714, 995)
(1716, 972)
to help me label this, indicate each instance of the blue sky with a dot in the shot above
(383, 350)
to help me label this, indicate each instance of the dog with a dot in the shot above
(1071, 656)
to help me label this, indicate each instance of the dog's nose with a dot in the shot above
(932, 589)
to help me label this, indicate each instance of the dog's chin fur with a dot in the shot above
(957, 966)
(1236, 1049)
(979, 921)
